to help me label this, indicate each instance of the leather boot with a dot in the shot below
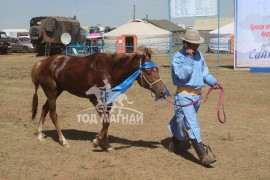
(178, 146)
(205, 158)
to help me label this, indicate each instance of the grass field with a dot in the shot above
(241, 145)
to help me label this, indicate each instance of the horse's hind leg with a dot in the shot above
(44, 112)
(52, 96)
(52, 92)
(53, 115)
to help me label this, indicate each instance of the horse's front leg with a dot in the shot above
(101, 139)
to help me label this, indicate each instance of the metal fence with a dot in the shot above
(158, 49)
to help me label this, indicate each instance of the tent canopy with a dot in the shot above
(226, 30)
(225, 33)
(93, 35)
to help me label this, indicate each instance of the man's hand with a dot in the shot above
(216, 86)
(190, 52)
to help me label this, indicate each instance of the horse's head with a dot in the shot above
(149, 77)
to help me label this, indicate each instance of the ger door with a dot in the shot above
(121, 44)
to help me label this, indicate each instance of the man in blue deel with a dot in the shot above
(189, 73)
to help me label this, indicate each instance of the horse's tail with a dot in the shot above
(35, 96)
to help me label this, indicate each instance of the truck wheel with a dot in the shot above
(35, 32)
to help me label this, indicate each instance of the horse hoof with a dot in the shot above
(66, 146)
(105, 145)
(64, 143)
(40, 137)
(110, 149)
(95, 143)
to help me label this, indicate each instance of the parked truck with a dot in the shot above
(46, 31)
(4, 43)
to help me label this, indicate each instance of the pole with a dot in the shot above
(170, 30)
(218, 33)
(134, 12)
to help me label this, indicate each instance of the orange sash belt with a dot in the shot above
(188, 90)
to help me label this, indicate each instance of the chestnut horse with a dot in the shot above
(77, 75)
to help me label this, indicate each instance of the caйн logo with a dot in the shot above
(109, 101)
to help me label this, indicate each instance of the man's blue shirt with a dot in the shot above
(190, 71)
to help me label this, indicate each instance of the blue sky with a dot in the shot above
(114, 13)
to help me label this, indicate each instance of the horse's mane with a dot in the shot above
(121, 58)
(117, 59)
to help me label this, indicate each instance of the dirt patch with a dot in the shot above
(242, 145)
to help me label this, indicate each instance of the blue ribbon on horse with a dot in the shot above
(125, 85)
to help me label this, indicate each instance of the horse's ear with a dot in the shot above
(143, 51)
(149, 50)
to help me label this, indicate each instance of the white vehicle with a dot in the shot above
(16, 32)
(21, 44)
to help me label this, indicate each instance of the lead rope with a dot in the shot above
(208, 149)
(220, 102)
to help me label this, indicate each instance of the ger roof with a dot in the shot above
(164, 24)
(139, 28)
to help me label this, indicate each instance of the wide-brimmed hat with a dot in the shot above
(193, 36)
